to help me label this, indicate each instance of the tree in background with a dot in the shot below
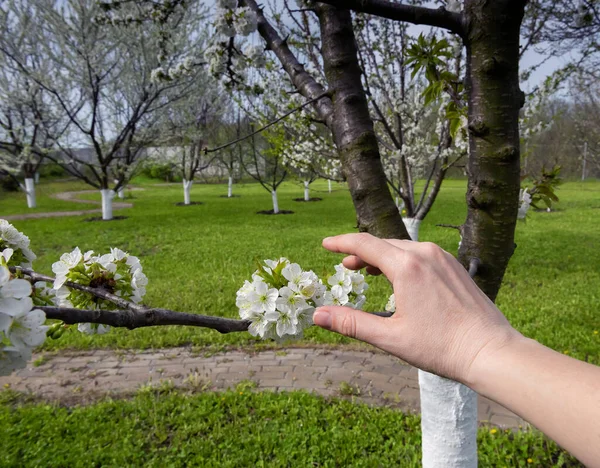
(103, 78)
(29, 125)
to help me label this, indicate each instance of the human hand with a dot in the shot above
(443, 321)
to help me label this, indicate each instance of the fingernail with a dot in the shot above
(322, 318)
(326, 239)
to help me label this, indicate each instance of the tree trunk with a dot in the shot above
(412, 227)
(30, 192)
(329, 185)
(448, 423)
(275, 202)
(449, 409)
(107, 200)
(187, 187)
(494, 160)
(230, 187)
(36, 177)
(352, 127)
(306, 191)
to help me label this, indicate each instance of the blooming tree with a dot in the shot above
(29, 124)
(187, 128)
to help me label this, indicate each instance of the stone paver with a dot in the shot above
(71, 196)
(372, 378)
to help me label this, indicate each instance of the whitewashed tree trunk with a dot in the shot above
(329, 184)
(187, 187)
(306, 191)
(30, 192)
(230, 187)
(448, 423)
(121, 191)
(275, 202)
(107, 200)
(36, 177)
(412, 227)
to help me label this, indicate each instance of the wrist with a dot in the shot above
(490, 361)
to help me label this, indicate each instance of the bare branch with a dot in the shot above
(132, 319)
(440, 17)
(270, 124)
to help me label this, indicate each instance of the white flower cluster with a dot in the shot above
(255, 55)
(347, 288)
(230, 20)
(280, 300)
(14, 245)
(117, 273)
(525, 202)
(182, 68)
(391, 304)
(21, 326)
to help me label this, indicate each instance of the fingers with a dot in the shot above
(370, 250)
(352, 323)
(352, 262)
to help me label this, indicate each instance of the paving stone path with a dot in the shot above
(72, 197)
(369, 377)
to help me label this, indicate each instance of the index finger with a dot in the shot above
(372, 250)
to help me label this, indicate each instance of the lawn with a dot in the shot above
(196, 257)
(12, 203)
(238, 428)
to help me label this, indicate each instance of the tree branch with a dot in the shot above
(132, 319)
(270, 124)
(440, 17)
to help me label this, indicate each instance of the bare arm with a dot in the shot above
(557, 394)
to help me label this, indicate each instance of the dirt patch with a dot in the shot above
(232, 196)
(309, 200)
(189, 204)
(99, 218)
(271, 212)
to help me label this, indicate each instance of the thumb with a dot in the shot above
(352, 323)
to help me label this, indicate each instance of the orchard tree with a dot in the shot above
(29, 125)
(105, 78)
(308, 151)
(189, 126)
(416, 95)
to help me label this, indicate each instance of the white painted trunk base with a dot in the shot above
(412, 227)
(107, 200)
(187, 187)
(306, 191)
(329, 184)
(275, 202)
(30, 192)
(448, 423)
(36, 177)
(230, 187)
(121, 193)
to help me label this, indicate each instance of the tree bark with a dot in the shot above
(352, 127)
(187, 187)
(275, 202)
(107, 203)
(30, 192)
(494, 160)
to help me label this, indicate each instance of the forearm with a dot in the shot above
(557, 394)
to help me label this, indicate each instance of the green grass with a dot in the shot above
(238, 428)
(12, 203)
(197, 257)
